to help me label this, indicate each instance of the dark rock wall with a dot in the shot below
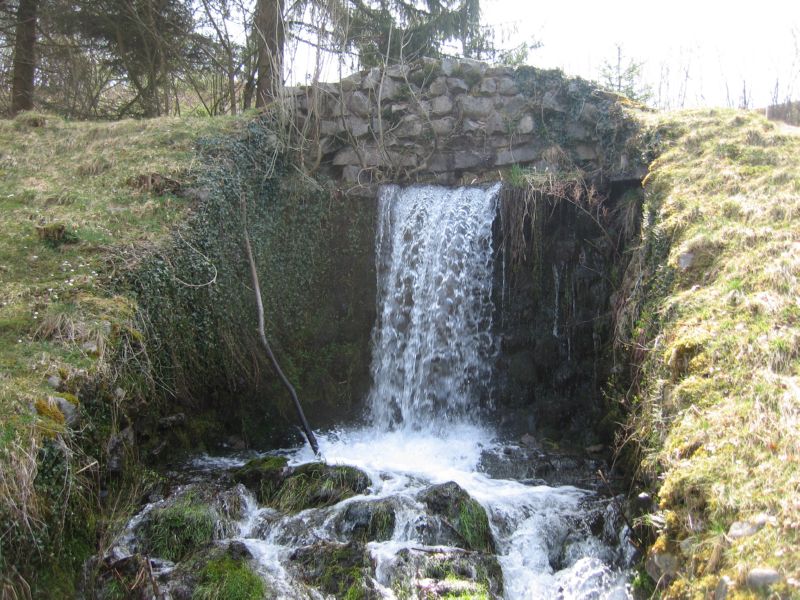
(554, 316)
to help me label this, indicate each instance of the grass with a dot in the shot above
(69, 218)
(229, 579)
(176, 531)
(716, 405)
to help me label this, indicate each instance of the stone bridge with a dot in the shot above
(456, 121)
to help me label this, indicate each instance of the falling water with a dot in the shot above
(433, 350)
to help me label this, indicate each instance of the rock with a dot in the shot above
(520, 154)
(724, 585)
(367, 521)
(172, 421)
(449, 66)
(762, 577)
(438, 86)
(441, 105)
(596, 449)
(550, 101)
(351, 83)
(90, 347)
(470, 126)
(462, 513)
(495, 123)
(456, 85)
(311, 485)
(359, 104)
(116, 448)
(72, 416)
(475, 107)
(528, 440)
(741, 529)
(586, 152)
(409, 126)
(398, 71)
(685, 261)
(446, 573)
(238, 550)
(469, 159)
(488, 86)
(506, 86)
(443, 126)
(54, 381)
(661, 566)
(525, 125)
(341, 570)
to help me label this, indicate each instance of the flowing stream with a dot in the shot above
(432, 363)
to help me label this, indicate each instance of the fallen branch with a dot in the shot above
(286, 383)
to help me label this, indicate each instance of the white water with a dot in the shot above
(433, 353)
(432, 346)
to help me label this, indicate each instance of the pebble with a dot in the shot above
(762, 577)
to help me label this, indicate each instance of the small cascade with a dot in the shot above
(433, 350)
(449, 510)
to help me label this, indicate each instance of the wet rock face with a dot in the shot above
(339, 569)
(440, 121)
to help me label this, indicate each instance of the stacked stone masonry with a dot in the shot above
(454, 121)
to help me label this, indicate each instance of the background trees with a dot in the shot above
(115, 58)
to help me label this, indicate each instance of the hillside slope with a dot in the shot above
(78, 202)
(710, 314)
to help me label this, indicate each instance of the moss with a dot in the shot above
(229, 579)
(176, 531)
(47, 408)
(263, 476)
(716, 364)
(314, 485)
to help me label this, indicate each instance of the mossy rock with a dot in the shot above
(292, 489)
(447, 574)
(263, 476)
(367, 521)
(342, 570)
(315, 485)
(179, 529)
(463, 514)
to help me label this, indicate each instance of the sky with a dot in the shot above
(722, 44)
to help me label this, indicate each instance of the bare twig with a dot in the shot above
(312, 440)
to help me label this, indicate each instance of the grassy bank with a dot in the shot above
(75, 198)
(710, 314)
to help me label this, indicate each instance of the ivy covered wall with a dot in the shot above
(314, 252)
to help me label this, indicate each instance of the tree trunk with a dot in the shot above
(24, 57)
(270, 36)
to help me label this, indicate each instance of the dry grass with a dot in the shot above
(717, 408)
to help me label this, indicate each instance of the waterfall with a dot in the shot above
(433, 349)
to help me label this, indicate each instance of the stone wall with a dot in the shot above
(454, 121)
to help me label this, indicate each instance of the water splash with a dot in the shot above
(433, 350)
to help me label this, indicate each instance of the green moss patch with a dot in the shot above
(177, 530)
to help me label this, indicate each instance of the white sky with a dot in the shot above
(719, 41)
